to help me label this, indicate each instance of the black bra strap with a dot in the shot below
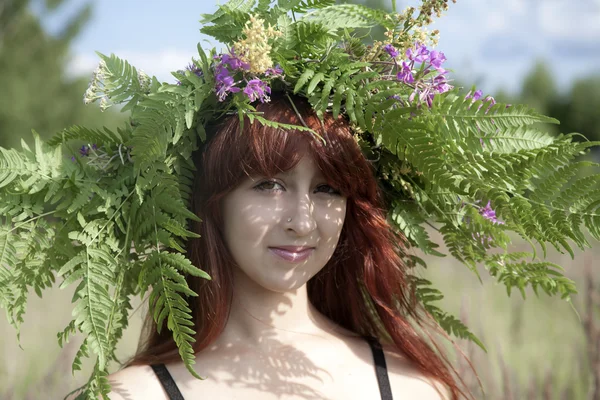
(167, 381)
(381, 369)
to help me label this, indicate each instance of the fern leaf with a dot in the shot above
(427, 295)
(337, 100)
(303, 80)
(303, 6)
(121, 80)
(409, 220)
(99, 136)
(318, 77)
(167, 302)
(12, 165)
(349, 16)
(545, 275)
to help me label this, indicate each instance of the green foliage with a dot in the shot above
(349, 16)
(428, 295)
(102, 209)
(443, 166)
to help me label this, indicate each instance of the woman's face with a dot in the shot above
(256, 217)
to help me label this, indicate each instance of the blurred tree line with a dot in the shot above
(577, 109)
(35, 90)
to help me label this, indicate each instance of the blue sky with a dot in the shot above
(491, 43)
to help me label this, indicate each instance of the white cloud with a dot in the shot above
(159, 64)
(82, 64)
(573, 20)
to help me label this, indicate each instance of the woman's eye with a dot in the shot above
(264, 186)
(270, 186)
(331, 191)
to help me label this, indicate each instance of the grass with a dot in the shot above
(537, 347)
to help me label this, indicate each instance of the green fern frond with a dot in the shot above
(514, 139)
(82, 352)
(349, 16)
(228, 21)
(103, 136)
(549, 186)
(316, 79)
(412, 141)
(409, 220)
(225, 8)
(121, 81)
(304, 6)
(579, 189)
(95, 267)
(458, 117)
(544, 275)
(38, 169)
(224, 32)
(168, 302)
(12, 165)
(151, 138)
(311, 36)
(303, 80)
(452, 325)
(291, 127)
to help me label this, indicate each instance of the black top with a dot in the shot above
(173, 392)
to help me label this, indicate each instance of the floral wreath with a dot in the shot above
(440, 156)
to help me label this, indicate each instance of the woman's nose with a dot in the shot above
(301, 211)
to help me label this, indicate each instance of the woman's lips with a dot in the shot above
(291, 256)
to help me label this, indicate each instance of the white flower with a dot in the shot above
(104, 104)
(144, 81)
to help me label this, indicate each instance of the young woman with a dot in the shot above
(307, 277)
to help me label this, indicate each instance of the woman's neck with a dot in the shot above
(260, 317)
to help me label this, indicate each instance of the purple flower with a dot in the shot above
(405, 74)
(477, 95)
(84, 151)
(427, 85)
(224, 83)
(488, 213)
(391, 50)
(427, 96)
(256, 89)
(234, 62)
(274, 71)
(419, 54)
(440, 84)
(73, 158)
(484, 240)
(192, 67)
(221, 73)
(491, 99)
(437, 58)
(398, 99)
(225, 86)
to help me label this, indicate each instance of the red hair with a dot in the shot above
(367, 265)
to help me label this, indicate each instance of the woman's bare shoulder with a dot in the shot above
(408, 382)
(136, 382)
